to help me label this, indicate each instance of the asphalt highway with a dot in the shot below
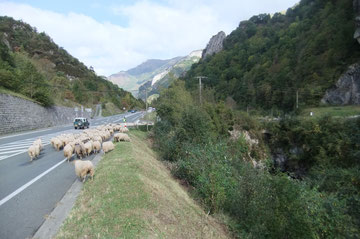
(29, 191)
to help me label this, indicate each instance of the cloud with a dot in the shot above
(153, 30)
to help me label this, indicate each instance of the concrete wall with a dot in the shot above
(17, 114)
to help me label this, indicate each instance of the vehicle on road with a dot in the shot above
(81, 123)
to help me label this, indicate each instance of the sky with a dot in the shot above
(112, 36)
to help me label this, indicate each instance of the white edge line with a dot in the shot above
(22, 188)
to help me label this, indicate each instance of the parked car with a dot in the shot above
(81, 123)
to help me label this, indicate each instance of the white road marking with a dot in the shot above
(9, 150)
(22, 188)
(19, 147)
(16, 146)
(12, 151)
(5, 157)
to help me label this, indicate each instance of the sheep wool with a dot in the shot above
(57, 144)
(108, 146)
(97, 146)
(38, 141)
(79, 150)
(88, 147)
(121, 137)
(124, 130)
(32, 152)
(37, 149)
(68, 151)
(83, 168)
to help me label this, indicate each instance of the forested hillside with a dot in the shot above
(292, 177)
(33, 65)
(268, 59)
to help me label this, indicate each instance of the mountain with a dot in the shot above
(132, 79)
(165, 77)
(125, 81)
(154, 74)
(33, 65)
(270, 59)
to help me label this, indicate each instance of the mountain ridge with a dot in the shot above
(32, 64)
(152, 73)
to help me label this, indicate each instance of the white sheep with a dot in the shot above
(52, 141)
(98, 138)
(97, 146)
(68, 151)
(124, 130)
(108, 146)
(38, 141)
(121, 137)
(37, 149)
(88, 147)
(57, 143)
(32, 152)
(82, 168)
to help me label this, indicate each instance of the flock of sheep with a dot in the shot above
(83, 144)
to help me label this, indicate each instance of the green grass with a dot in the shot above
(9, 92)
(98, 210)
(134, 196)
(337, 111)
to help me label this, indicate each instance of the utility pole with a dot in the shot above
(31, 87)
(297, 99)
(200, 77)
(146, 106)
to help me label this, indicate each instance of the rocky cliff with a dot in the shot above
(346, 90)
(215, 45)
(356, 4)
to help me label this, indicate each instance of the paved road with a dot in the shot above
(29, 191)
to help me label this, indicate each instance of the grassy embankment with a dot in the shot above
(9, 92)
(134, 196)
(337, 111)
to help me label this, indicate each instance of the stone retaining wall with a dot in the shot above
(17, 114)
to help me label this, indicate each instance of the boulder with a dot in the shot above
(346, 90)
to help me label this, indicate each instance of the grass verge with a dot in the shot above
(337, 111)
(134, 196)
